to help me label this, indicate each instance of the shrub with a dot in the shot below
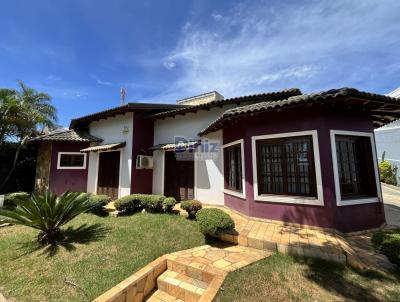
(388, 172)
(135, 202)
(191, 207)
(47, 213)
(214, 222)
(168, 204)
(9, 199)
(152, 203)
(98, 202)
(128, 204)
(388, 242)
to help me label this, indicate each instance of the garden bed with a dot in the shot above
(97, 256)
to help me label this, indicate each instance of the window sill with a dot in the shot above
(71, 168)
(289, 199)
(235, 193)
(365, 200)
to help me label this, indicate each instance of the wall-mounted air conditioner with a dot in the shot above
(144, 162)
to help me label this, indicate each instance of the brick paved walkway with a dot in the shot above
(296, 240)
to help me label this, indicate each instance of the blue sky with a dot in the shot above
(82, 51)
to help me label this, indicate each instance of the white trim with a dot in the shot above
(119, 173)
(319, 201)
(347, 202)
(163, 173)
(71, 168)
(231, 192)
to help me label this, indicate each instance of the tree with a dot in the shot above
(23, 113)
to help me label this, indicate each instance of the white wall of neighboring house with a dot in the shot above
(208, 175)
(113, 130)
(387, 138)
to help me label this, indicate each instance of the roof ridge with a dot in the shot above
(228, 101)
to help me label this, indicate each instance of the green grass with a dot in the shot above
(96, 257)
(283, 278)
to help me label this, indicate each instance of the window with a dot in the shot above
(233, 168)
(285, 166)
(356, 173)
(71, 160)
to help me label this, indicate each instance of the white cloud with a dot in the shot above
(100, 82)
(262, 47)
(216, 16)
(168, 64)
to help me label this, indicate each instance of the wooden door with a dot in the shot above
(179, 177)
(108, 177)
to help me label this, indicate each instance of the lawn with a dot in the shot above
(97, 256)
(283, 278)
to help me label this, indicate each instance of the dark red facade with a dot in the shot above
(344, 218)
(62, 180)
(143, 134)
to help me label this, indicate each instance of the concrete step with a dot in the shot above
(162, 296)
(181, 286)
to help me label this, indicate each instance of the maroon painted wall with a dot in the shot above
(345, 218)
(69, 179)
(143, 131)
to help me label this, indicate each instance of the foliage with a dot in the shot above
(98, 202)
(151, 203)
(135, 202)
(22, 113)
(47, 213)
(168, 204)
(128, 204)
(9, 199)
(388, 172)
(214, 222)
(388, 242)
(191, 207)
(120, 246)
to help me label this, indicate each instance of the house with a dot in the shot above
(388, 138)
(297, 158)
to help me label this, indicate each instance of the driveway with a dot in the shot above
(391, 199)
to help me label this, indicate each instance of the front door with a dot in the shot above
(108, 177)
(179, 177)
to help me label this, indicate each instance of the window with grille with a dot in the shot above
(233, 168)
(285, 166)
(355, 166)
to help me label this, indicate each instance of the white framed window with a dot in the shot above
(71, 161)
(355, 167)
(233, 168)
(287, 168)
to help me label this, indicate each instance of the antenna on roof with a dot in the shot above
(123, 95)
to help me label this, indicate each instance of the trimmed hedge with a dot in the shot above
(214, 222)
(98, 202)
(128, 204)
(191, 207)
(136, 202)
(388, 242)
(168, 204)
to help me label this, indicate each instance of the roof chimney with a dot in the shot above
(201, 99)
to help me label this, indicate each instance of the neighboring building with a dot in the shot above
(388, 138)
(299, 158)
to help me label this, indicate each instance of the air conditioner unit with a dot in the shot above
(144, 162)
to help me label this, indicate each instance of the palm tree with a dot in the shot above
(47, 213)
(24, 113)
